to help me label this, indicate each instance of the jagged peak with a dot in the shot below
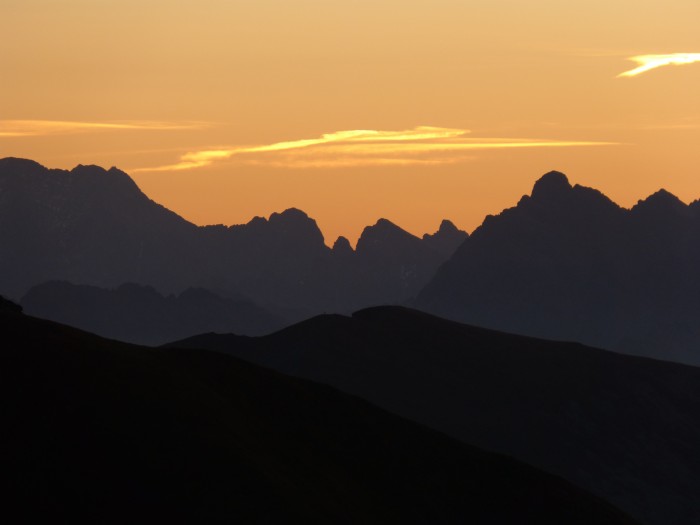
(661, 200)
(383, 228)
(382, 231)
(88, 169)
(114, 175)
(551, 184)
(341, 243)
(290, 213)
(342, 246)
(296, 224)
(447, 226)
(255, 221)
(384, 225)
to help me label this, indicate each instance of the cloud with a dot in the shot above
(32, 128)
(649, 62)
(423, 145)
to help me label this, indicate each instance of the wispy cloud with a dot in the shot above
(649, 62)
(31, 128)
(422, 145)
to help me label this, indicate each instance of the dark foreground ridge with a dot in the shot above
(625, 428)
(104, 431)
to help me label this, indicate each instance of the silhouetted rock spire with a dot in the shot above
(381, 233)
(447, 239)
(342, 248)
(551, 186)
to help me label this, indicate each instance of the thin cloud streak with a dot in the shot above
(33, 128)
(421, 145)
(649, 62)
(352, 162)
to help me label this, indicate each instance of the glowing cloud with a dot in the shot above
(423, 145)
(649, 62)
(30, 128)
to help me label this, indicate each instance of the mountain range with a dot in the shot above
(94, 227)
(139, 314)
(101, 431)
(625, 428)
(565, 263)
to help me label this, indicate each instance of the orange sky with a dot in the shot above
(226, 109)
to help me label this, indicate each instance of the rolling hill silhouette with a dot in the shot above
(104, 431)
(568, 263)
(139, 314)
(625, 428)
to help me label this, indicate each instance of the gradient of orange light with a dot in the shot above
(272, 71)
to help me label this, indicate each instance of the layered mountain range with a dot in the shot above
(565, 263)
(95, 227)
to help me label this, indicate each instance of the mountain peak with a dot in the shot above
(18, 166)
(383, 228)
(342, 243)
(446, 239)
(292, 217)
(661, 201)
(384, 224)
(291, 213)
(342, 247)
(297, 225)
(114, 177)
(88, 169)
(551, 184)
(447, 226)
(382, 232)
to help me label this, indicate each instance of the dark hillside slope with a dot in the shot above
(112, 433)
(625, 428)
(139, 314)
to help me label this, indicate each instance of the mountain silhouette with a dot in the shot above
(392, 265)
(94, 227)
(100, 431)
(447, 239)
(623, 427)
(567, 263)
(87, 225)
(139, 314)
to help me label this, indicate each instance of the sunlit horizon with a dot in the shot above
(354, 111)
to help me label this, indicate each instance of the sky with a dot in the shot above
(415, 111)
